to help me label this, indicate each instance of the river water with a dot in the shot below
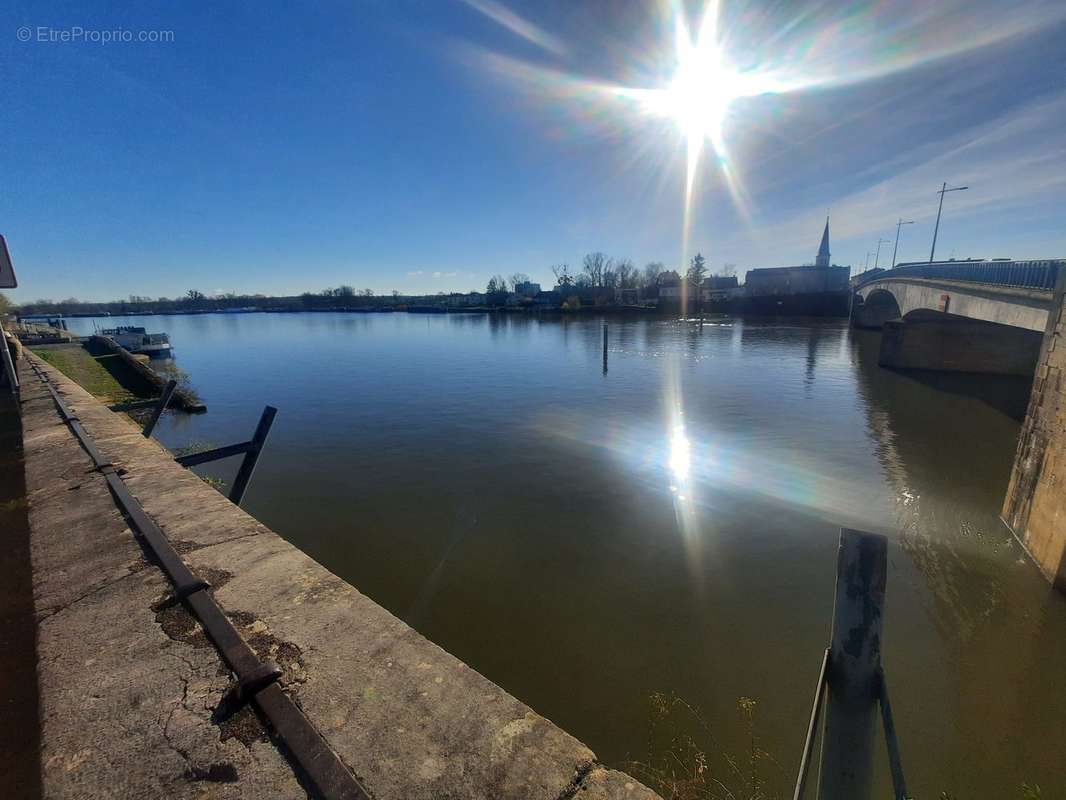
(587, 539)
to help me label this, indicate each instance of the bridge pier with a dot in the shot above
(873, 314)
(1035, 506)
(952, 344)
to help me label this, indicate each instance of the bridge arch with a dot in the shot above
(1005, 305)
(878, 307)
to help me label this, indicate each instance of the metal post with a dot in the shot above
(895, 247)
(168, 391)
(812, 728)
(936, 229)
(9, 365)
(605, 347)
(854, 667)
(895, 763)
(877, 257)
(244, 474)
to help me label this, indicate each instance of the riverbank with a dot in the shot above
(112, 374)
(129, 685)
(89, 372)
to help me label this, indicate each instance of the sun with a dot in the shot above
(692, 84)
(698, 96)
(702, 89)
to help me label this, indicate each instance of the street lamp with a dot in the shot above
(943, 189)
(878, 256)
(899, 225)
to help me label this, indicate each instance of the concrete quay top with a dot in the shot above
(128, 686)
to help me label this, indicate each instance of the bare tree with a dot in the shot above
(595, 270)
(728, 270)
(626, 274)
(652, 271)
(497, 285)
(517, 278)
(562, 275)
(194, 295)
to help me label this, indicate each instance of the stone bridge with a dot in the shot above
(992, 317)
(959, 316)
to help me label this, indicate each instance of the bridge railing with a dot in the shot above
(1019, 274)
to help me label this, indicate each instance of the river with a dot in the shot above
(589, 538)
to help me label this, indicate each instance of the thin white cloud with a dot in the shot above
(852, 47)
(520, 27)
(1011, 163)
(415, 274)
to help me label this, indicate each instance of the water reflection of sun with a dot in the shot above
(680, 454)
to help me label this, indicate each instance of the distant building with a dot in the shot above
(796, 280)
(822, 259)
(527, 289)
(671, 286)
(718, 288)
(821, 288)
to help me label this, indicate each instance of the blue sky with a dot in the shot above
(423, 145)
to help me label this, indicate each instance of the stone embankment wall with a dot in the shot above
(1035, 508)
(129, 684)
(152, 381)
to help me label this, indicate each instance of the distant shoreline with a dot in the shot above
(827, 305)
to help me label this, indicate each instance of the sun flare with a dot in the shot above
(703, 86)
(698, 98)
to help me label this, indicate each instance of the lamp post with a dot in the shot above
(899, 225)
(943, 190)
(877, 257)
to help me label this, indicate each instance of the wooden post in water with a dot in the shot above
(854, 667)
(605, 348)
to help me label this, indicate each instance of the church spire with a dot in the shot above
(823, 249)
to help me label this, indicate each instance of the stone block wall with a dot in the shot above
(1035, 507)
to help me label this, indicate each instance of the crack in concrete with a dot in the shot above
(200, 547)
(170, 718)
(83, 596)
